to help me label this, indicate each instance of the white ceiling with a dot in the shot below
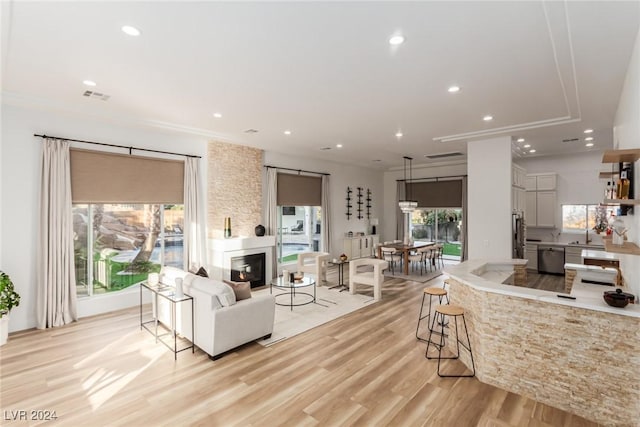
(325, 70)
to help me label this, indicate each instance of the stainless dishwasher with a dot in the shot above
(551, 259)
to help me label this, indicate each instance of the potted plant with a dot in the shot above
(9, 298)
(601, 220)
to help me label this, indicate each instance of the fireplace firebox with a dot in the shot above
(249, 268)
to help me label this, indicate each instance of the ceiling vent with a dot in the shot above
(96, 95)
(251, 131)
(571, 140)
(443, 155)
(325, 148)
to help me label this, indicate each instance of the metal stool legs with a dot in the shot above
(431, 292)
(441, 344)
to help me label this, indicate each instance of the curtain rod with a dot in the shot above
(118, 146)
(435, 178)
(297, 170)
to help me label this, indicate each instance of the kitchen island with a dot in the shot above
(580, 355)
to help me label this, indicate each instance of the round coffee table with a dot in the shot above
(292, 290)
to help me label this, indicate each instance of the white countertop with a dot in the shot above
(569, 245)
(588, 296)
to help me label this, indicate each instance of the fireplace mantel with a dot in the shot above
(222, 250)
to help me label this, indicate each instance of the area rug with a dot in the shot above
(330, 304)
(414, 277)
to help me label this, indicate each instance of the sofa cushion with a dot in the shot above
(222, 292)
(242, 290)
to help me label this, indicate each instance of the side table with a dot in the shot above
(168, 293)
(343, 287)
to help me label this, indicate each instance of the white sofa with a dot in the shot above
(370, 278)
(314, 263)
(221, 322)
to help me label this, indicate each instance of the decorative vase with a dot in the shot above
(260, 230)
(227, 227)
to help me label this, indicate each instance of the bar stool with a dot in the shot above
(432, 292)
(454, 311)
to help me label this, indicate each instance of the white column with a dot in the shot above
(489, 198)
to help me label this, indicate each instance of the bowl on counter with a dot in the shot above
(618, 298)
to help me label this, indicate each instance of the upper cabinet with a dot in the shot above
(518, 178)
(541, 182)
(541, 206)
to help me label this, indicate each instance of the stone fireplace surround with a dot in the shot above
(222, 250)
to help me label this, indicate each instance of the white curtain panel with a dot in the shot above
(194, 222)
(326, 215)
(465, 246)
(271, 214)
(56, 281)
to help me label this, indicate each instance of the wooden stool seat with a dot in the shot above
(454, 311)
(435, 291)
(450, 310)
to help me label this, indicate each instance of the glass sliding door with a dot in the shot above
(441, 225)
(299, 230)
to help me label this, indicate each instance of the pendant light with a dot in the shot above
(407, 205)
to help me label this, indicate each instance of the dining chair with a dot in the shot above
(439, 248)
(420, 257)
(431, 257)
(391, 256)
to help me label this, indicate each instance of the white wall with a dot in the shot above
(489, 198)
(341, 177)
(627, 135)
(577, 183)
(626, 129)
(391, 177)
(20, 188)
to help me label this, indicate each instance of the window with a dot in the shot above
(580, 218)
(126, 241)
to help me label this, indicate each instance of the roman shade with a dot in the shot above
(299, 190)
(437, 194)
(102, 177)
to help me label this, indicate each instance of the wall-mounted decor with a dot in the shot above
(349, 191)
(368, 203)
(360, 203)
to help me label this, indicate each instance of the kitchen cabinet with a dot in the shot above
(360, 246)
(518, 196)
(531, 254)
(573, 255)
(621, 156)
(540, 203)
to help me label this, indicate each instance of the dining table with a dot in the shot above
(405, 249)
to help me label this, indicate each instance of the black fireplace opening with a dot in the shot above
(249, 268)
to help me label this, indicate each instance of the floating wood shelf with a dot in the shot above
(617, 156)
(608, 174)
(621, 202)
(626, 248)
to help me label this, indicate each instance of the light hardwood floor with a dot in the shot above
(363, 369)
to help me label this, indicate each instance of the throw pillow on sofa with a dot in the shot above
(222, 293)
(242, 290)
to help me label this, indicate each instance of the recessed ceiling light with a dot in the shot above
(338, 145)
(287, 132)
(88, 82)
(532, 150)
(399, 134)
(487, 118)
(520, 139)
(589, 138)
(217, 115)
(527, 145)
(589, 144)
(588, 131)
(454, 89)
(396, 40)
(131, 31)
